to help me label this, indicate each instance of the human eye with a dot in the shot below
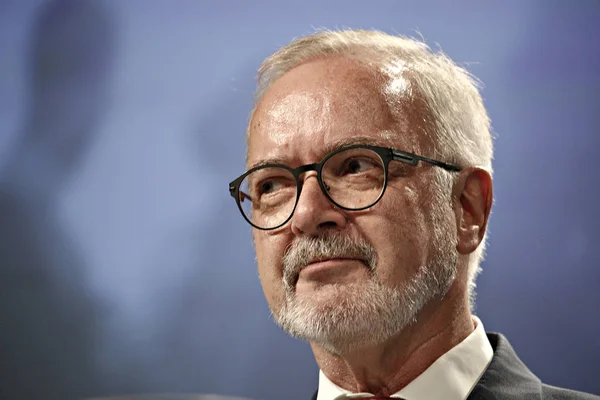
(270, 183)
(358, 165)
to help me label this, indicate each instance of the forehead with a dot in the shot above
(324, 101)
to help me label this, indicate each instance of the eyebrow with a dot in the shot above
(260, 163)
(368, 140)
(329, 148)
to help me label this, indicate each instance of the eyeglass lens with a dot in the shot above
(353, 179)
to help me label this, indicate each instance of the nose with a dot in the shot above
(314, 212)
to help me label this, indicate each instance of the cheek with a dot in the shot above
(269, 253)
(399, 234)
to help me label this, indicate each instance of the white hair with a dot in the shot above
(459, 123)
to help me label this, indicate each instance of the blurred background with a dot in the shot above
(125, 266)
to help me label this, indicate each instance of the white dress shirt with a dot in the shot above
(450, 377)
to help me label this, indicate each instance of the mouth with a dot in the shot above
(327, 268)
(330, 259)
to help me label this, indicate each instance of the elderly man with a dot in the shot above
(369, 189)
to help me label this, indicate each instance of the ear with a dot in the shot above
(473, 196)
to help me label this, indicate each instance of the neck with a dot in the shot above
(386, 368)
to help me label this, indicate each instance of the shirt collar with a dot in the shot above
(450, 377)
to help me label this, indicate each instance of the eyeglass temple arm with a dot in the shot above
(243, 195)
(413, 159)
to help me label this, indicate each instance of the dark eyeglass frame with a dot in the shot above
(387, 154)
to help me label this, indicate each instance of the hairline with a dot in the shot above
(375, 65)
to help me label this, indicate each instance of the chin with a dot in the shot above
(331, 297)
(344, 318)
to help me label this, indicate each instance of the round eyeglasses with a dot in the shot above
(353, 178)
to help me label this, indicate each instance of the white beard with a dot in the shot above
(343, 318)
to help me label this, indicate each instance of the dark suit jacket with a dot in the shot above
(507, 378)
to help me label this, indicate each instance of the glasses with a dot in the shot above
(353, 178)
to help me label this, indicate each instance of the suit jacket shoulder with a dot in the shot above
(507, 378)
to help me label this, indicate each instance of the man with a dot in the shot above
(369, 189)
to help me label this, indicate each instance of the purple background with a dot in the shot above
(161, 292)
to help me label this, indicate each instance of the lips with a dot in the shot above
(336, 250)
(317, 263)
(318, 260)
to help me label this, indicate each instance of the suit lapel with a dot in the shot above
(506, 377)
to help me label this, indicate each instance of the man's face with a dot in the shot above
(384, 263)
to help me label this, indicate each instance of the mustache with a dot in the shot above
(307, 249)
